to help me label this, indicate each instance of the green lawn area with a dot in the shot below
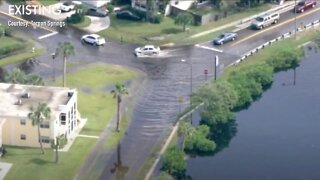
(48, 2)
(85, 23)
(20, 57)
(94, 103)
(6, 42)
(142, 33)
(93, 86)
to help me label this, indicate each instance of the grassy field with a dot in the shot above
(94, 103)
(85, 23)
(167, 31)
(94, 85)
(6, 42)
(48, 2)
(20, 57)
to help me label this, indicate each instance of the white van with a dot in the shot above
(265, 20)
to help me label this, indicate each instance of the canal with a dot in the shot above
(277, 137)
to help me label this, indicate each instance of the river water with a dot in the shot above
(277, 137)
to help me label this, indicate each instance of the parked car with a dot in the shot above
(147, 50)
(93, 39)
(304, 5)
(67, 6)
(128, 15)
(97, 12)
(265, 20)
(225, 37)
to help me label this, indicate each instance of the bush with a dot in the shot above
(285, 59)
(173, 162)
(110, 8)
(158, 18)
(75, 18)
(198, 142)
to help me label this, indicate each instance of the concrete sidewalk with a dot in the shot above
(241, 24)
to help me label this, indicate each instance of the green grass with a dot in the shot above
(142, 33)
(91, 84)
(8, 42)
(85, 23)
(20, 57)
(48, 2)
(98, 106)
(28, 163)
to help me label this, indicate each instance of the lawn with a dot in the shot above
(94, 85)
(20, 57)
(48, 2)
(167, 31)
(94, 103)
(9, 44)
(85, 23)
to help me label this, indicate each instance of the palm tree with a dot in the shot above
(66, 49)
(119, 91)
(185, 130)
(37, 116)
(56, 145)
(34, 80)
(119, 168)
(16, 76)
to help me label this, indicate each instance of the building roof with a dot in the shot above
(12, 94)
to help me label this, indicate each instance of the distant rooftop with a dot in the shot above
(16, 99)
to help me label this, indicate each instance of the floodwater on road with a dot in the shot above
(277, 137)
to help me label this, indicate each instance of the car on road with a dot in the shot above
(128, 15)
(304, 5)
(93, 39)
(67, 6)
(148, 50)
(97, 12)
(265, 20)
(225, 37)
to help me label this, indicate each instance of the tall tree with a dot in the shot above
(56, 144)
(185, 130)
(65, 49)
(184, 19)
(119, 91)
(37, 116)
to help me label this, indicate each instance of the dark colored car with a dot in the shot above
(304, 5)
(96, 12)
(225, 37)
(128, 15)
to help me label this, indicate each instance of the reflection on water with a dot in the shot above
(119, 169)
(223, 134)
(277, 137)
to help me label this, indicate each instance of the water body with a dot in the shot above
(277, 137)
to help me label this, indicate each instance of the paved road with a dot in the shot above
(156, 110)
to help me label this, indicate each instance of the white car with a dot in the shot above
(93, 39)
(67, 6)
(147, 50)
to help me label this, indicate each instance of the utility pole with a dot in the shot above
(53, 55)
(216, 63)
(295, 19)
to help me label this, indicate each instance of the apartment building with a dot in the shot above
(15, 127)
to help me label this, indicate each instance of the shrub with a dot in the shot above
(75, 18)
(173, 162)
(110, 8)
(285, 59)
(198, 142)
(158, 18)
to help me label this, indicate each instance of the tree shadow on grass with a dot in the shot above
(171, 31)
(40, 161)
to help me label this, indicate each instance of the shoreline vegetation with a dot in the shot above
(237, 88)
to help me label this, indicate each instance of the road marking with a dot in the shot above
(47, 35)
(273, 27)
(209, 48)
(28, 22)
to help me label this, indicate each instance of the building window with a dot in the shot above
(23, 137)
(45, 139)
(63, 118)
(45, 124)
(23, 121)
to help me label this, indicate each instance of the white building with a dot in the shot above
(15, 127)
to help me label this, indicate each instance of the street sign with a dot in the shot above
(217, 60)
